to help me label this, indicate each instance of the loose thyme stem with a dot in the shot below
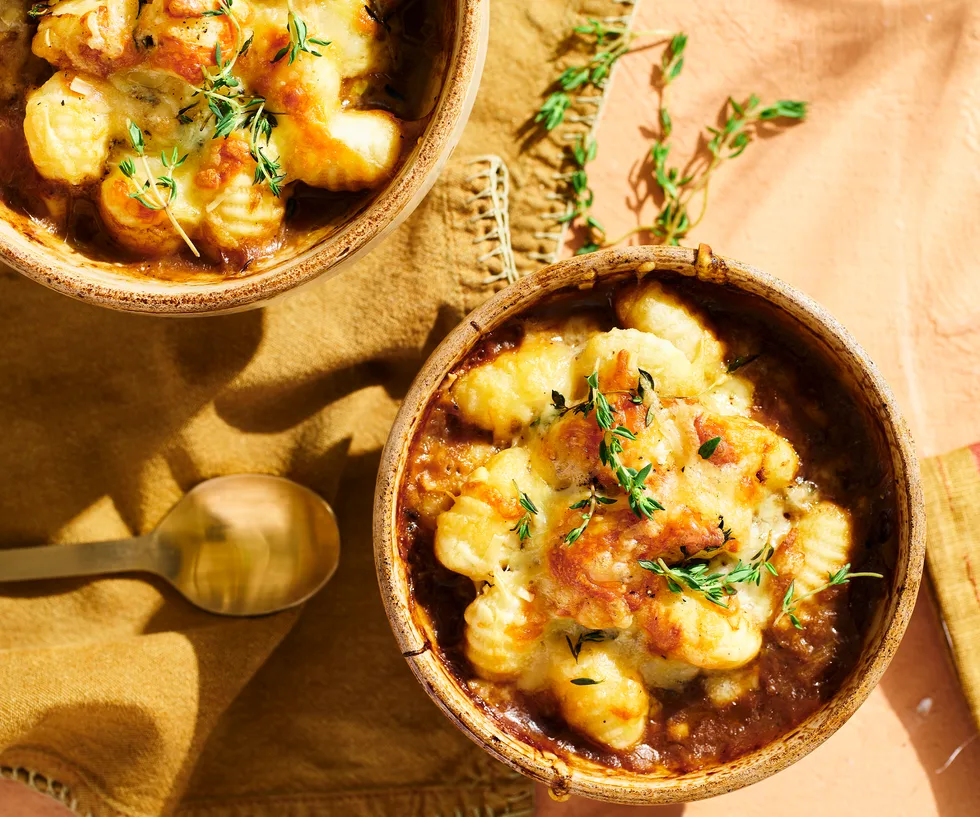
(791, 604)
(128, 169)
(165, 206)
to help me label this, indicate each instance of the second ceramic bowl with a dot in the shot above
(33, 250)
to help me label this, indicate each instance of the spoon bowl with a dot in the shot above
(243, 545)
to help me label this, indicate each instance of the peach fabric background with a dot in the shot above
(871, 207)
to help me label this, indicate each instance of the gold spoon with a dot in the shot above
(243, 545)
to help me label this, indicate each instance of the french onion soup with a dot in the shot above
(189, 138)
(646, 525)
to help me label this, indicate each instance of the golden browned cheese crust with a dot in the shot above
(121, 63)
(582, 623)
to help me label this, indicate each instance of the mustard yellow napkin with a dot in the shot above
(115, 694)
(952, 490)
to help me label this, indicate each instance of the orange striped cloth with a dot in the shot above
(952, 489)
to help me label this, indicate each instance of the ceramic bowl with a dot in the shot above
(30, 248)
(578, 775)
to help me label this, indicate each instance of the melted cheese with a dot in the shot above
(123, 63)
(722, 509)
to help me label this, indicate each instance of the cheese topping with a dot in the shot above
(584, 620)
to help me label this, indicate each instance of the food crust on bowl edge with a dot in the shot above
(584, 658)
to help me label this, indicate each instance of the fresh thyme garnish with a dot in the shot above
(584, 682)
(715, 587)
(591, 502)
(681, 188)
(610, 447)
(232, 109)
(39, 10)
(299, 39)
(708, 448)
(584, 638)
(523, 526)
(791, 602)
(739, 362)
(725, 532)
(147, 192)
(611, 42)
(582, 196)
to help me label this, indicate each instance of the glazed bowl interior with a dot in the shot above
(31, 248)
(574, 774)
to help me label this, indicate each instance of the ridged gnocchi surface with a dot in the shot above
(234, 103)
(581, 599)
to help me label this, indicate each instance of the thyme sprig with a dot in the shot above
(523, 526)
(582, 197)
(147, 192)
(611, 42)
(39, 10)
(716, 586)
(299, 40)
(791, 602)
(631, 480)
(231, 108)
(589, 504)
(682, 190)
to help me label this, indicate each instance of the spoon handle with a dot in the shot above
(54, 561)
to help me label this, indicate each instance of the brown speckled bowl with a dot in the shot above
(575, 774)
(34, 251)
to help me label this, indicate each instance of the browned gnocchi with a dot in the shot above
(191, 124)
(628, 531)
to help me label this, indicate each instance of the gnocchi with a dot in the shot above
(637, 530)
(208, 113)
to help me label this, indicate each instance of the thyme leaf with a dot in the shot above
(739, 362)
(708, 447)
(589, 636)
(299, 40)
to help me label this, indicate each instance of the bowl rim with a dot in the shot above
(569, 775)
(108, 284)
